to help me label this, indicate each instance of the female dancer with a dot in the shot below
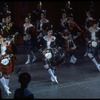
(41, 23)
(28, 32)
(88, 24)
(69, 9)
(48, 51)
(63, 21)
(7, 61)
(93, 39)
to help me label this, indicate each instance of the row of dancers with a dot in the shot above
(40, 35)
(70, 33)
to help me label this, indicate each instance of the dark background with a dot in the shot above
(21, 8)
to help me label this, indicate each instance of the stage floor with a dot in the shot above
(81, 80)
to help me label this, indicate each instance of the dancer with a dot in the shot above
(63, 21)
(42, 22)
(61, 30)
(69, 9)
(7, 62)
(48, 49)
(93, 39)
(88, 24)
(91, 8)
(7, 54)
(28, 32)
(37, 13)
(5, 9)
(40, 28)
(73, 32)
(36, 22)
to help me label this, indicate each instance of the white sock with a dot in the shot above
(3, 82)
(71, 60)
(73, 57)
(29, 57)
(7, 81)
(95, 62)
(86, 53)
(51, 73)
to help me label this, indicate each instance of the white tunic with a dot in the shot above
(93, 34)
(42, 22)
(27, 36)
(3, 50)
(53, 38)
(63, 22)
(27, 27)
(48, 44)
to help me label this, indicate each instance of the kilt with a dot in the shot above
(94, 50)
(66, 48)
(8, 69)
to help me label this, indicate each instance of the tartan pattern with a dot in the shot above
(8, 69)
(71, 29)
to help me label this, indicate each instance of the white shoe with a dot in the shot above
(85, 54)
(34, 59)
(98, 66)
(74, 59)
(28, 62)
(6, 87)
(7, 90)
(71, 60)
(55, 79)
(52, 79)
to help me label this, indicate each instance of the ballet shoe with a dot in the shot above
(28, 62)
(7, 90)
(34, 59)
(55, 79)
(98, 66)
